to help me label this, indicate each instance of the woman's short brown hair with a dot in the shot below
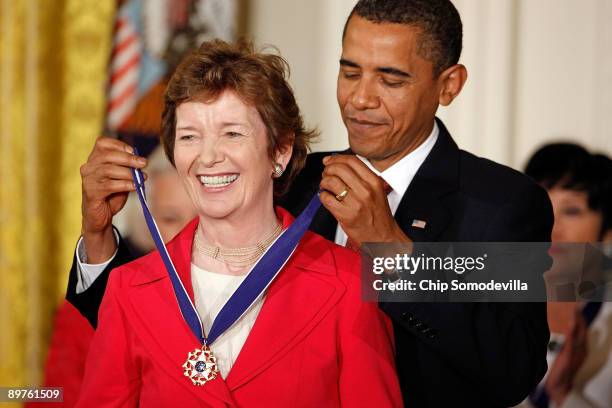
(259, 79)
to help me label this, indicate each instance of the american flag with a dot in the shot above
(143, 30)
(134, 69)
(125, 63)
(419, 223)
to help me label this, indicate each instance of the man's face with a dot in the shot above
(388, 95)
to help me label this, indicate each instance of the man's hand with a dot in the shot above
(561, 375)
(364, 212)
(107, 180)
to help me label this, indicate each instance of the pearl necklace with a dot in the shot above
(237, 257)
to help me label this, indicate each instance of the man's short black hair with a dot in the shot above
(441, 35)
(570, 166)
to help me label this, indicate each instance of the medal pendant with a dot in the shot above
(201, 366)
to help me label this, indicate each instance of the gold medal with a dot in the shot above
(201, 366)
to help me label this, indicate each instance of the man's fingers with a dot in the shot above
(114, 172)
(116, 157)
(333, 184)
(110, 143)
(104, 144)
(348, 177)
(109, 150)
(330, 202)
(355, 164)
(101, 190)
(355, 174)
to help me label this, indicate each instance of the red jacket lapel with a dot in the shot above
(299, 298)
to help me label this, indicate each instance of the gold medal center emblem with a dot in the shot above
(201, 366)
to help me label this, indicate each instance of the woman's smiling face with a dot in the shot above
(221, 154)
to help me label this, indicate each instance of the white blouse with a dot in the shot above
(211, 291)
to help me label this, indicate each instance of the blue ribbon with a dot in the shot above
(256, 282)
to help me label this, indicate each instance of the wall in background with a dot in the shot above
(308, 34)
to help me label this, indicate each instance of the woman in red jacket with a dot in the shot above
(259, 313)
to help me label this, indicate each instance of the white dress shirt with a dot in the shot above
(399, 175)
(211, 291)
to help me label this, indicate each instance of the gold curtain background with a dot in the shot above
(53, 61)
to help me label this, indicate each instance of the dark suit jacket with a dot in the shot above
(448, 354)
(461, 354)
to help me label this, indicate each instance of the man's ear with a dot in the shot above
(283, 152)
(452, 80)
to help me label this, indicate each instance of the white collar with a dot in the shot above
(400, 174)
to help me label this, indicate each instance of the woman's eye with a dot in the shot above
(186, 137)
(233, 134)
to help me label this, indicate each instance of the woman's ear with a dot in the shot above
(283, 153)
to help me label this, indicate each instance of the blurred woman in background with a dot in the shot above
(579, 185)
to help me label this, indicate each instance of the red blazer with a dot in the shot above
(314, 343)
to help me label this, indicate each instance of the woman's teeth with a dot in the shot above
(218, 181)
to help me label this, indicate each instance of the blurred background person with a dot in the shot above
(579, 185)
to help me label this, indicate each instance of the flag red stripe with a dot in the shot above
(116, 75)
(122, 97)
(124, 66)
(125, 44)
(121, 22)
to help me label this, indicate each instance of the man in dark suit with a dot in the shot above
(399, 62)
(405, 181)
